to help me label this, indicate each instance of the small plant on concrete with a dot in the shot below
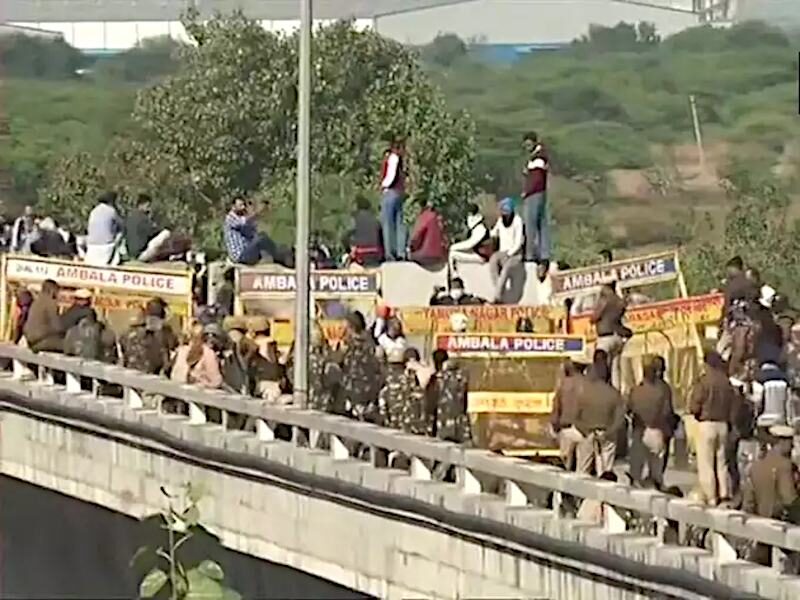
(170, 577)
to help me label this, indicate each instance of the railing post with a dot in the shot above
(339, 449)
(45, 376)
(197, 416)
(514, 494)
(722, 548)
(467, 481)
(21, 371)
(558, 503)
(419, 470)
(313, 438)
(612, 520)
(264, 431)
(780, 560)
(73, 383)
(133, 398)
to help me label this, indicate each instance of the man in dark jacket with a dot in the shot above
(715, 404)
(455, 297)
(600, 416)
(607, 319)
(44, 330)
(139, 227)
(650, 406)
(365, 241)
(81, 307)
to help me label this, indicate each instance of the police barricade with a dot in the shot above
(422, 324)
(271, 291)
(627, 273)
(117, 292)
(670, 329)
(512, 381)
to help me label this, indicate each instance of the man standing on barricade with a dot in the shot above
(739, 293)
(611, 333)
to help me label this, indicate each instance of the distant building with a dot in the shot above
(9, 29)
(112, 25)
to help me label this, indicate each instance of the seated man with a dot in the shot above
(509, 231)
(104, 232)
(455, 297)
(243, 241)
(477, 248)
(428, 243)
(47, 240)
(365, 241)
(44, 330)
(145, 241)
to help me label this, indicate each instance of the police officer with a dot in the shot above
(141, 349)
(361, 380)
(400, 400)
(770, 489)
(451, 421)
(324, 376)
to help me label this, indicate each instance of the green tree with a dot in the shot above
(444, 50)
(224, 124)
(152, 58)
(39, 57)
(758, 228)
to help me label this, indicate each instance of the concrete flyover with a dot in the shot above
(306, 501)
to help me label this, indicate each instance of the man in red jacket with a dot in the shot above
(534, 193)
(428, 244)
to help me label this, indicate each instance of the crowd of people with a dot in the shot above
(744, 406)
(745, 393)
(371, 375)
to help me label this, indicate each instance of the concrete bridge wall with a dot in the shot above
(309, 502)
(384, 557)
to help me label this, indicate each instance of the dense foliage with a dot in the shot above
(225, 124)
(218, 119)
(605, 101)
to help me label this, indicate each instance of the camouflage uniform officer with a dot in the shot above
(400, 399)
(141, 349)
(324, 375)
(361, 378)
(451, 421)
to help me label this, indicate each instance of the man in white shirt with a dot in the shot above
(510, 232)
(104, 232)
(543, 286)
(468, 250)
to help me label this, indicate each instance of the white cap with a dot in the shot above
(459, 322)
(781, 431)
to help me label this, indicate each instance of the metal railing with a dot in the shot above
(516, 481)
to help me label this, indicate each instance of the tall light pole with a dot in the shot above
(302, 313)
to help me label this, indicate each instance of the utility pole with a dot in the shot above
(302, 312)
(698, 137)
